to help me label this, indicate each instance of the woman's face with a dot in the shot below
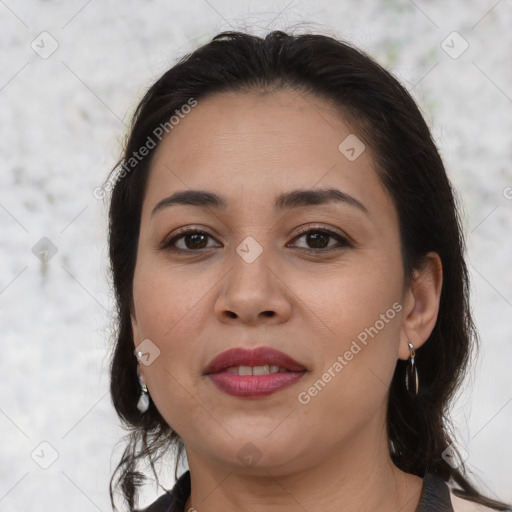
(321, 281)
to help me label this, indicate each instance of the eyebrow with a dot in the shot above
(285, 201)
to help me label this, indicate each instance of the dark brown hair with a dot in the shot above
(407, 161)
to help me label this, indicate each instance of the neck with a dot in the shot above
(358, 477)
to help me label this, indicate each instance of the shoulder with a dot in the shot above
(441, 495)
(173, 500)
(462, 505)
(162, 504)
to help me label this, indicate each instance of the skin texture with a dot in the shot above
(332, 451)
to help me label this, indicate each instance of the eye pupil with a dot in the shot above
(198, 241)
(317, 239)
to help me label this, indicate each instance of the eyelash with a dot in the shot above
(168, 245)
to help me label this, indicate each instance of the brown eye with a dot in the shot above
(195, 240)
(191, 240)
(322, 240)
(317, 240)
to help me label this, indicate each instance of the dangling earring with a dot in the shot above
(411, 375)
(143, 403)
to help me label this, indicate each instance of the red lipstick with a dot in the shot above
(256, 372)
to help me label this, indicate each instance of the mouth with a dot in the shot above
(264, 369)
(256, 372)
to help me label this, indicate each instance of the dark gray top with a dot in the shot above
(435, 496)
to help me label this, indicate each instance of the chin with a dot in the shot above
(255, 454)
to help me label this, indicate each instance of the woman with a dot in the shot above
(292, 294)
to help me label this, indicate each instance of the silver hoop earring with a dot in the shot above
(411, 375)
(143, 402)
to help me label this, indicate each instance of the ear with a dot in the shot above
(421, 304)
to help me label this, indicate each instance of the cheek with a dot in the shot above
(170, 312)
(166, 301)
(350, 298)
(360, 311)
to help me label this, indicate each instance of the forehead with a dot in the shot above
(254, 146)
(277, 126)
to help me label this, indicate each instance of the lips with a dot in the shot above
(262, 356)
(250, 373)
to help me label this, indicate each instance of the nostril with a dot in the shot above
(232, 314)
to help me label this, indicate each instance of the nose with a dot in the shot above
(253, 293)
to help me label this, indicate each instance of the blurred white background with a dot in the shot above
(63, 119)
